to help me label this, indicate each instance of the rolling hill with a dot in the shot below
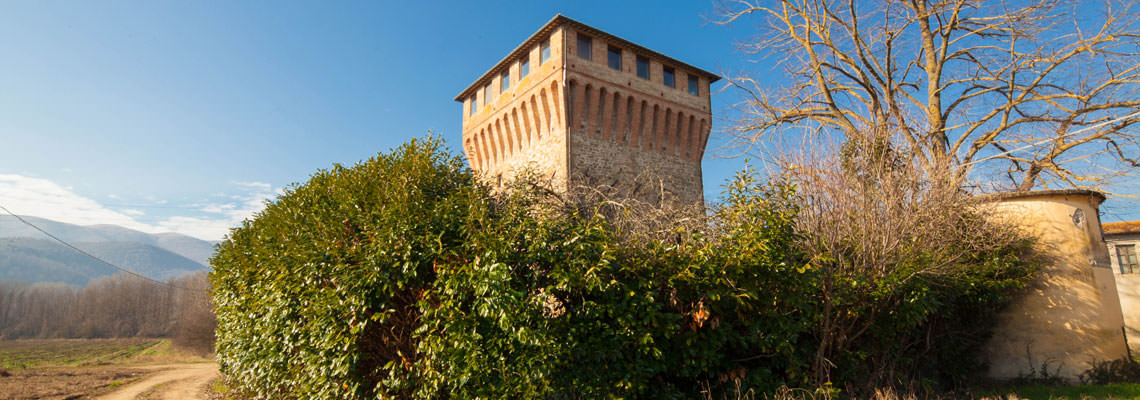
(28, 255)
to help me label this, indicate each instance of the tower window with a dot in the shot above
(524, 67)
(613, 57)
(668, 77)
(474, 104)
(585, 46)
(1126, 256)
(487, 94)
(544, 50)
(506, 79)
(643, 67)
(693, 88)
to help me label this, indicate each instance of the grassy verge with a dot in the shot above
(222, 389)
(1077, 392)
(1116, 391)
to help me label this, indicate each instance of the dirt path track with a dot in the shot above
(174, 381)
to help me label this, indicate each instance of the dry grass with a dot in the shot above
(27, 353)
(21, 354)
(1038, 392)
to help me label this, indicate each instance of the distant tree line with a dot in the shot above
(110, 307)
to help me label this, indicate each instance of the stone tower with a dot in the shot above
(583, 107)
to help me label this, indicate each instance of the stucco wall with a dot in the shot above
(1070, 316)
(1128, 286)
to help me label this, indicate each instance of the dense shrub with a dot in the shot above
(403, 277)
(926, 329)
(319, 295)
(565, 306)
(911, 272)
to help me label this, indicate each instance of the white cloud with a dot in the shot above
(229, 214)
(217, 208)
(43, 198)
(262, 186)
(202, 228)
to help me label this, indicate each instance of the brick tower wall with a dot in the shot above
(523, 127)
(577, 120)
(635, 134)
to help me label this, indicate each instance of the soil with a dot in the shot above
(56, 383)
(173, 382)
(93, 368)
(152, 382)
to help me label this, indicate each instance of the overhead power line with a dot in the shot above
(1062, 136)
(96, 258)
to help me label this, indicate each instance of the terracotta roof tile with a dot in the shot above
(1121, 227)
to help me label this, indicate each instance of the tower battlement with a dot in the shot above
(580, 106)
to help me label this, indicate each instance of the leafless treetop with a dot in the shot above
(1044, 93)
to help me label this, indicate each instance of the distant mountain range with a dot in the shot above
(28, 255)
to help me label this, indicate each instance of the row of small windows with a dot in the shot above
(613, 59)
(505, 77)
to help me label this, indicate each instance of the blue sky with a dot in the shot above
(184, 116)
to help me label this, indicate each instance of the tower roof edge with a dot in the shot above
(559, 20)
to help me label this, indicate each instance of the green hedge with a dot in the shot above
(400, 277)
(319, 294)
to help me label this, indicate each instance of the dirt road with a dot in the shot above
(173, 381)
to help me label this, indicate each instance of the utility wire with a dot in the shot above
(1064, 135)
(96, 258)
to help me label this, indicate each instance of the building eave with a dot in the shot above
(1095, 195)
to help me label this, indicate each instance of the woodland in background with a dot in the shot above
(118, 306)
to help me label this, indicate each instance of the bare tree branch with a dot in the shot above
(960, 82)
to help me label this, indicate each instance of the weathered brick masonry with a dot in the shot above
(607, 117)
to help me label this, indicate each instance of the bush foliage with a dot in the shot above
(402, 277)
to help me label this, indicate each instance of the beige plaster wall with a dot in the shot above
(1070, 316)
(1128, 286)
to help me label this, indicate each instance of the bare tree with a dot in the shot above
(872, 220)
(1041, 92)
(111, 306)
(195, 325)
